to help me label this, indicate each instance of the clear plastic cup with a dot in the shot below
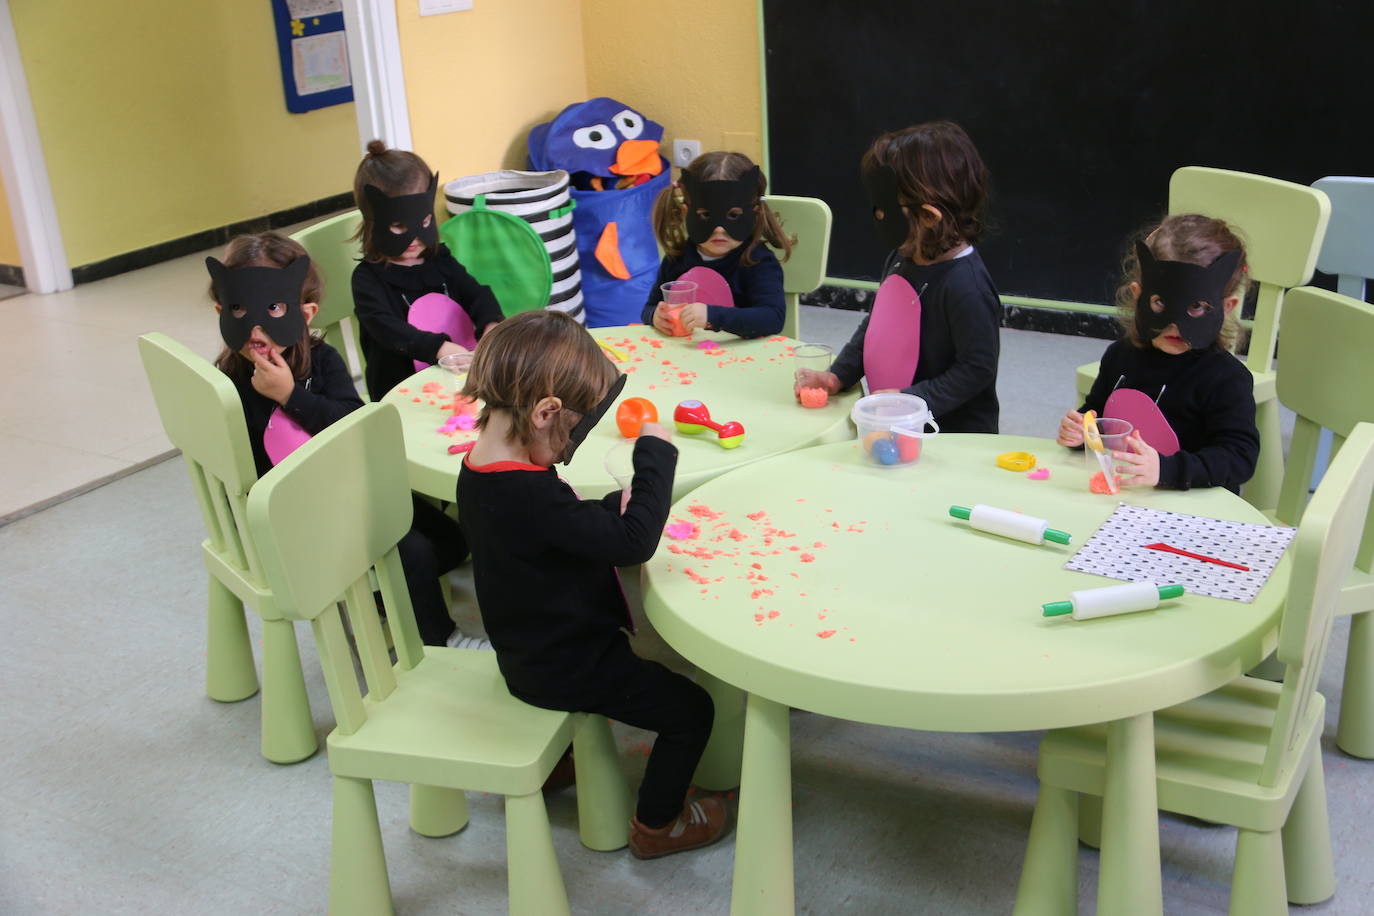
(815, 357)
(1114, 433)
(676, 294)
(457, 363)
(620, 462)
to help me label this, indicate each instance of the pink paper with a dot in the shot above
(282, 436)
(892, 343)
(438, 313)
(711, 287)
(1136, 408)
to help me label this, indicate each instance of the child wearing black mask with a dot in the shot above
(715, 219)
(1178, 304)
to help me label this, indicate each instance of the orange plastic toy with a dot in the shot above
(634, 413)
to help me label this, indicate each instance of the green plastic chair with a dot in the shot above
(807, 218)
(439, 719)
(1248, 754)
(1282, 224)
(1327, 378)
(331, 246)
(203, 417)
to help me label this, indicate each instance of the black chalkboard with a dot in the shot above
(1081, 109)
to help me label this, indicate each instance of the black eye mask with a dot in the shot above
(254, 290)
(1182, 287)
(718, 198)
(590, 419)
(409, 210)
(881, 185)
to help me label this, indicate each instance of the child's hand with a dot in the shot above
(662, 322)
(1071, 430)
(449, 347)
(272, 378)
(1140, 466)
(624, 500)
(810, 378)
(657, 431)
(693, 316)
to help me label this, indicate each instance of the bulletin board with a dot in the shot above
(313, 52)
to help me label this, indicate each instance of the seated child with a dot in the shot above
(544, 561)
(715, 217)
(1178, 314)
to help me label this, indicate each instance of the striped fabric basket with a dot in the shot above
(542, 200)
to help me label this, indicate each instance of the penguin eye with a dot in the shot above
(1198, 309)
(629, 123)
(1156, 304)
(598, 136)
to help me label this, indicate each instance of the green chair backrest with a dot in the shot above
(1282, 224)
(1323, 551)
(807, 218)
(331, 246)
(202, 415)
(1348, 251)
(326, 516)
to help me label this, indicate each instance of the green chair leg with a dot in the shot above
(1307, 866)
(1049, 876)
(358, 885)
(719, 769)
(1355, 734)
(288, 732)
(763, 881)
(1129, 883)
(436, 811)
(1262, 490)
(1257, 885)
(1090, 820)
(535, 883)
(229, 672)
(603, 799)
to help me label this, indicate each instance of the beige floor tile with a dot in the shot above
(35, 471)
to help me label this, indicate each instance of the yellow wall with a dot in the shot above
(477, 81)
(645, 52)
(9, 245)
(162, 119)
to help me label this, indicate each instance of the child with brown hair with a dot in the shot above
(715, 217)
(544, 561)
(403, 260)
(928, 187)
(266, 292)
(1178, 308)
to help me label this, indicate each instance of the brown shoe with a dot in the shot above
(701, 823)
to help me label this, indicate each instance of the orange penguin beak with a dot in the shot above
(637, 157)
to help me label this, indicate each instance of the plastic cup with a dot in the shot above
(457, 363)
(676, 294)
(1114, 433)
(815, 357)
(620, 462)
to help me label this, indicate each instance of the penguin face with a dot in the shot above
(601, 137)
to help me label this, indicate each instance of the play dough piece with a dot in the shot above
(711, 287)
(438, 313)
(282, 436)
(814, 397)
(873, 438)
(461, 447)
(885, 450)
(892, 343)
(632, 414)
(908, 447)
(1039, 474)
(1098, 484)
(1136, 408)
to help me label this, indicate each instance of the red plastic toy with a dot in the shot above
(634, 413)
(692, 417)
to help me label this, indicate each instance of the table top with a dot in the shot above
(826, 583)
(745, 380)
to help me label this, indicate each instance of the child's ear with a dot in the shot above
(309, 310)
(1135, 289)
(544, 412)
(930, 214)
(1231, 303)
(218, 308)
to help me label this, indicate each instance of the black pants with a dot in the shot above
(433, 546)
(646, 695)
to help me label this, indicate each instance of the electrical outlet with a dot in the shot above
(684, 151)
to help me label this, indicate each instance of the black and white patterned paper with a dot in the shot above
(1117, 550)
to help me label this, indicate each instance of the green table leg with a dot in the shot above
(763, 838)
(719, 769)
(1262, 489)
(1355, 734)
(1129, 881)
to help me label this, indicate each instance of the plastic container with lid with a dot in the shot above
(892, 427)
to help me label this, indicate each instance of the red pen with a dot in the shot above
(1196, 556)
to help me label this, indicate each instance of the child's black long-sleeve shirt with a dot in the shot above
(382, 296)
(1209, 400)
(961, 317)
(327, 395)
(760, 306)
(543, 568)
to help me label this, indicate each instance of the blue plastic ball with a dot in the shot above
(885, 450)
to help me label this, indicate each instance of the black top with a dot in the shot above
(382, 294)
(760, 307)
(316, 402)
(1209, 400)
(956, 373)
(542, 563)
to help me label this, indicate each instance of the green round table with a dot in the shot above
(816, 580)
(745, 380)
